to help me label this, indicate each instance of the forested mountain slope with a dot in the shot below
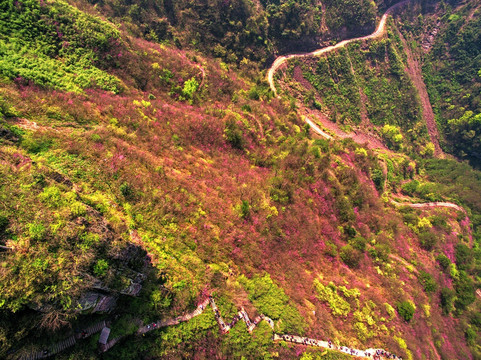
(243, 30)
(142, 170)
(447, 40)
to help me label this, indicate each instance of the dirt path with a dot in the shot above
(415, 74)
(430, 205)
(370, 140)
(377, 33)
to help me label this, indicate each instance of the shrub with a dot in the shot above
(470, 335)
(476, 319)
(464, 287)
(3, 224)
(338, 305)
(392, 135)
(359, 243)
(350, 231)
(390, 310)
(245, 209)
(272, 301)
(254, 93)
(330, 249)
(362, 332)
(78, 209)
(406, 310)
(378, 179)
(464, 256)
(101, 267)
(350, 256)
(281, 190)
(382, 252)
(234, 135)
(190, 87)
(443, 261)
(36, 231)
(126, 190)
(447, 297)
(427, 240)
(36, 144)
(427, 281)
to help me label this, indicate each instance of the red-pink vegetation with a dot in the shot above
(189, 183)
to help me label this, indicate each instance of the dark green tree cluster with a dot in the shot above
(238, 29)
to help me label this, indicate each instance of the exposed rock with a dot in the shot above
(8, 134)
(59, 178)
(132, 290)
(93, 302)
(429, 38)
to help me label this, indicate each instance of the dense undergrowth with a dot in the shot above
(448, 40)
(198, 179)
(243, 32)
(364, 86)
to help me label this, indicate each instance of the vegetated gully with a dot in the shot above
(414, 74)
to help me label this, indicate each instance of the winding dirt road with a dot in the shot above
(381, 28)
(430, 205)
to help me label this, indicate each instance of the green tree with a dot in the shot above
(350, 256)
(190, 87)
(427, 281)
(406, 310)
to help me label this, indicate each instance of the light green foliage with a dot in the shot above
(403, 345)
(36, 231)
(101, 267)
(271, 300)
(324, 355)
(369, 323)
(349, 293)
(78, 209)
(365, 314)
(55, 45)
(392, 135)
(362, 331)
(424, 223)
(337, 303)
(88, 240)
(190, 87)
(239, 344)
(186, 333)
(426, 190)
(390, 310)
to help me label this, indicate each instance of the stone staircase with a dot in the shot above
(64, 344)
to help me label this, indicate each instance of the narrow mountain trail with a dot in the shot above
(366, 139)
(64, 344)
(361, 138)
(251, 325)
(381, 28)
(415, 74)
(430, 205)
